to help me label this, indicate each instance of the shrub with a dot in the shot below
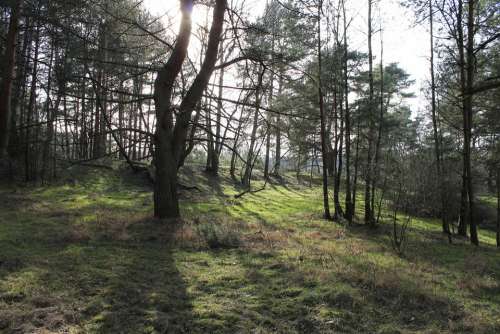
(218, 235)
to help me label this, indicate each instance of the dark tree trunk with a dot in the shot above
(464, 207)
(8, 78)
(50, 113)
(234, 151)
(468, 109)
(368, 172)
(348, 199)
(30, 173)
(338, 176)
(437, 149)
(170, 139)
(247, 175)
(498, 205)
(218, 139)
(356, 167)
(324, 151)
(376, 169)
(99, 149)
(277, 163)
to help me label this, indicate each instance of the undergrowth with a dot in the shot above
(87, 257)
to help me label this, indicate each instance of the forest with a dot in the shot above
(249, 166)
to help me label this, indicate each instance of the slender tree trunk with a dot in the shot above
(324, 151)
(380, 124)
(339, 148)
(247, 175)
(277, 163)
(356, 167)
(218, 140)
(437, 148)
(84, 131)
(464, 207)
(210, 139)
(20, 91)
(99, 149)
(348, 199)
(368, 177)
(232, 168)
(8, 78)
(269, 124)
(498, 205)
(468, 108)
(50, 122)
(29, 150)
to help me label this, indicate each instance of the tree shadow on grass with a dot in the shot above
(347, 302)
(142, 290)
(100, 286)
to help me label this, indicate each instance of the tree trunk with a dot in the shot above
(368, 172)
(218, 139)
(356, 167)
(437, 149)
(277, 163)
(170, 139)
(468, 108)
(269, 124)
(324, 152)
(498, 205)
(380, 125)
(348, 199)
(464, 209)
(30, 173)
(8, 78)
(247, 175)
(99, 149)
(50, 113)
(340, 138)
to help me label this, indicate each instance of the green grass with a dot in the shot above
(87, 257)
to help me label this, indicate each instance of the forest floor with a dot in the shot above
(85, 256)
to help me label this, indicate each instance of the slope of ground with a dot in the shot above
(85, 256)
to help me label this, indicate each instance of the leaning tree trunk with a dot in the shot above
(8, 78)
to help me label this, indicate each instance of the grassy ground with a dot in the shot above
(86, 257)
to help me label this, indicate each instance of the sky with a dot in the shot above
(404, 42)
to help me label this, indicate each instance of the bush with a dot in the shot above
(218, 235)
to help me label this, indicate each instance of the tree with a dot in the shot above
(170, 136)
(435, 132)
(324, 153)
(369, 219)
(349, 212)
(8, 78)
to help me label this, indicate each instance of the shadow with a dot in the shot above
(145, 291)
(99, 285)
(350, 301)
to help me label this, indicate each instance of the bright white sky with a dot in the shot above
(404, 43)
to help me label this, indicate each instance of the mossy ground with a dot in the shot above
(87, 257)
